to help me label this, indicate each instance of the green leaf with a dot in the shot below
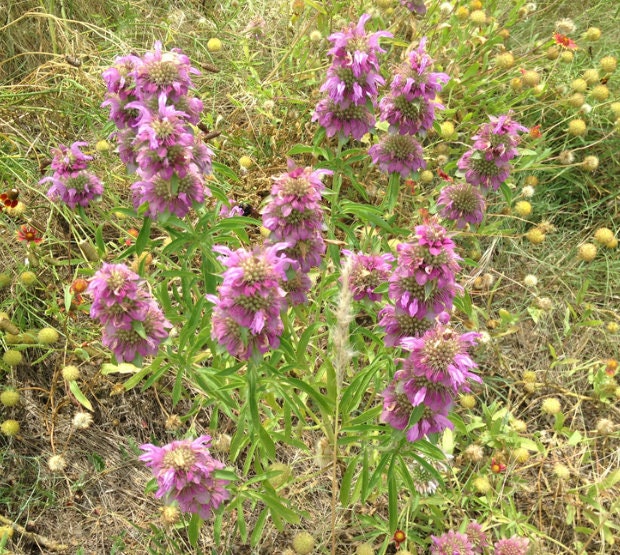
(77, 393)
(143, 236)
(255, 537)
(392, 499)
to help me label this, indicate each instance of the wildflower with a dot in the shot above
(398, 324)
(414, 6)
(461, 203)
(511, 546)
(399, 537)
(112, 285)
(349, 121)
(497, 466)
(246, 318)
(82, 420)
(10, 428)
(530, 280)
(184, 472)
(56, 463)
(477, 536)
(587, 252)
(30, 234)
(528, 191)
(605, 426)
(479, 171)
(423, 282)
(474, 453)
(479, 17)
(451, 543)
(551, 405)
(398, 153)
(367, 273)
(564, 41)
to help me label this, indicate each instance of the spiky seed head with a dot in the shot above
(462, 13)
(446, 130)
(505, 60)
(551, 405)
(521, 455)
(593, 34)
(474, 452)
(587, 252)
(567, 56)
(5, 280)
(214, 44)
(591, 76)
(605, 426)
(70, 373)
(608, 64)
(561, 471)
(6, 532)
(245, 162)
(10, 428)
(9, 397)
(303, 543)
(364, 549)
(47, 336)
(535, 236)
(467, 401)
(577, 100)
(613, 327)
(577, 127)
(600, 93)
(531, 78)
(523, 208)
(27, 278)
(579, 85)
(12, 357)
(57, 463)
(482, 484)
(479, 17)
(603, 235)
(528, 376)
(516, 84)
(170, 515)
(426, 176)
(530, 280)
(553, 52)
(518, 426)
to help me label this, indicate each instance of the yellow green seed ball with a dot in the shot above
(593, 34)
(587, 252)
(482, 484)
(446, 130)
(70, 373)
(6, 531)
(591, 76)
(608, 64)
(553, 52)
(245, 162)
(102, 146)
(214, 45)
(315, 36)
(579, 85)
(516, 84)
(567, 56)
(551, 405)
(535, 236)
(10, 428)
(531, 78)
(504, 34)
(612, 244)
(615, 109)
(303, 543)
(528, 376)
(284, 474)
(426, 176)
(9, 397)
(47, 336)
(468, 401)
(523, 208)
(521, 455)
(29, 337)
(5, 280)
(364, 549)
(600, 93)
(12, 357)
(613, 327)
(505, 60)
(479, 17)
(561, 471)
(577, 127)
(577, 100)
(518, 426)
(27, 278)
(462, 13)
(531, 180)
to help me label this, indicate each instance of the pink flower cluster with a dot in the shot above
(134, 325)
(246, 317)
(436, 371)
(71, 182)
(294, 215)
(352, 81)
(415, 6)
(409, 108)
(368, 272)
(487, 164)
(184, 473)
(152, 108)
(475, 541)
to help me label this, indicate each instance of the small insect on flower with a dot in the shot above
(9, 199)
(30, 234)
(564, 41)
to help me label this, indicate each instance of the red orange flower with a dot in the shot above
(497, 467)
(9, 199)
(564, 41)
(30, 234)
(399, 537)
(535, 132)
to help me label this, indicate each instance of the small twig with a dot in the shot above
(36, 538)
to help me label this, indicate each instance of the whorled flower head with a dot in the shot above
(415, 6)
(414, 79)
(112, 284)
(308, 253)
(423, 283)
(184, 472)
(293, 211)
(398, 153)
(477, 536)
(407, 115)
(399, 324)
(461, 203)
(498, 139)
(367, 273)
(488, 174)
(132, 338)
(77, 188)
(451, 543)
(176, 195)
(511, 546)
(344, 120)
(164, 72)
(68, 160)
